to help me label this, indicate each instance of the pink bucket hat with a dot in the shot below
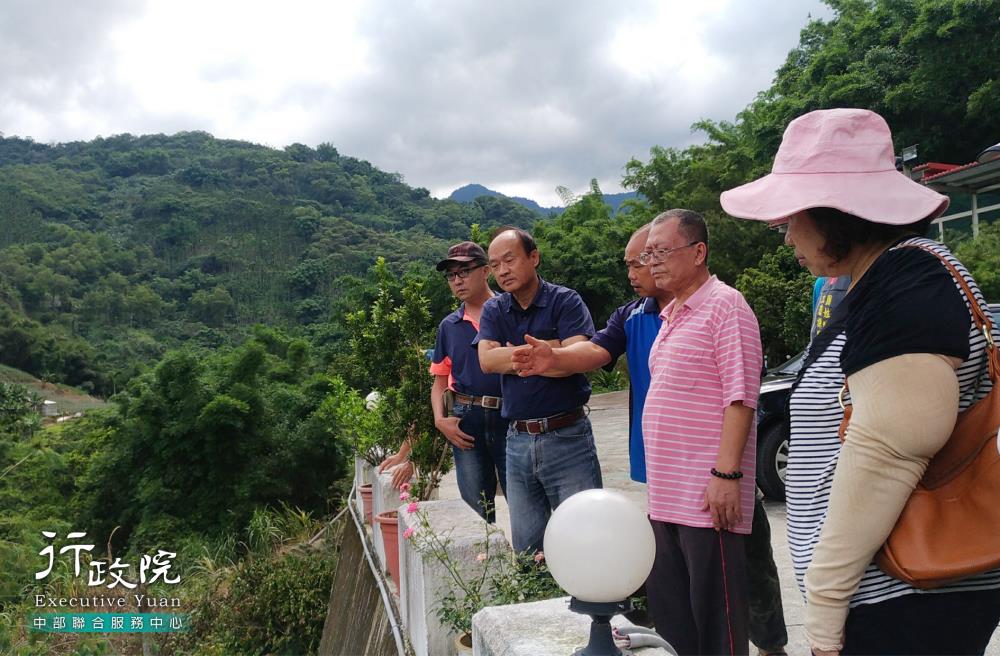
(839, 158)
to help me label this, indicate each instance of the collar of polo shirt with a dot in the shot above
(541, 297)
(650, 306)
(696, 299)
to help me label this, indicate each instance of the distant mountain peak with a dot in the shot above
(471, 192)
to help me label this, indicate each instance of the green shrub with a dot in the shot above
(274, 605)
(608, 381)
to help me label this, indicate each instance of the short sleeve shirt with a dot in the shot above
(456, 355)
(871, 324)
(905, 303)
(556, 312)
(707, 357)
(631, 331)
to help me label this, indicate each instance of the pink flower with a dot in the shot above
(539, 557)
(408, 533)
(405, 487)
(403, 496)
(412, 508)
(481, 557)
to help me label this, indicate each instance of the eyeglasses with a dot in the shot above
(461, 273)
(634, 263)
(780, 226)
(658, 255)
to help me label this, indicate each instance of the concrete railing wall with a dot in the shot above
(425, 578)
(518, 630)
(384, 498)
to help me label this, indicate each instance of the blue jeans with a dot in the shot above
(543, 471)
(477, 468)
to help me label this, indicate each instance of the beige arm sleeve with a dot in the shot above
(904, 410)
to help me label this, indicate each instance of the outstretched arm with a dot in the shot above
(576, 355)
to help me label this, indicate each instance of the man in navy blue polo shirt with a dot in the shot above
(630, 331)
(550, 443)
(475, 429)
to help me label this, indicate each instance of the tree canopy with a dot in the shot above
(930, 67)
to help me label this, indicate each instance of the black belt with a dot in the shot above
(546, 424)
(488, 402)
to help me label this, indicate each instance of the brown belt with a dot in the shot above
(488, 402)
(546, 424)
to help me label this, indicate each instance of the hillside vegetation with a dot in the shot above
(115, 249)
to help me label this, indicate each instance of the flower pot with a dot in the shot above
(389, 525)
(463, 644)
(366, 499)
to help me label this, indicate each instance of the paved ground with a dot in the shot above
(609, 415)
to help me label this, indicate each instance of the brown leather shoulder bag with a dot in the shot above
(950, 526)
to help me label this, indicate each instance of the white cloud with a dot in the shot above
(520, 96)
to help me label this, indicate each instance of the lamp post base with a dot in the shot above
(601, 642)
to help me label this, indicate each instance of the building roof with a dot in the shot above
(924, 171)
(971, 178)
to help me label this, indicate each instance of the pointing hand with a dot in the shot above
(534, 358)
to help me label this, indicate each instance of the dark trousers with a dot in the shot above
(941, 623)
(697, 589)
(767, 616)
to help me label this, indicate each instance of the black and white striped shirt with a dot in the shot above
(815, 416)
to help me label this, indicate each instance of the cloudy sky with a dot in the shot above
(518, 95)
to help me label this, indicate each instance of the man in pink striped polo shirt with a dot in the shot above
(700, 438)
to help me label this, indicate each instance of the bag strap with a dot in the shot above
(982, 320)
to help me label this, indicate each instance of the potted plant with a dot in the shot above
(388, 527)
(407, 410)
(501, 577)
(387, 345)
(365, 430)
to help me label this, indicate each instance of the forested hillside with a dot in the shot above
(114, 249)
(124, 246)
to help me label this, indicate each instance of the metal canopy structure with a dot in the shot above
(972, 179)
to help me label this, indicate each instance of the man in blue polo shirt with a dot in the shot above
(550, 443)
(466, 402)
(475, 429)
(631, 330)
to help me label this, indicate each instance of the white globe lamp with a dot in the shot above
(599, 547)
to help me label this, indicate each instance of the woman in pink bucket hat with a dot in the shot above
(904, 339)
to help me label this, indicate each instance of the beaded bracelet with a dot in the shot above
(731, 476)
